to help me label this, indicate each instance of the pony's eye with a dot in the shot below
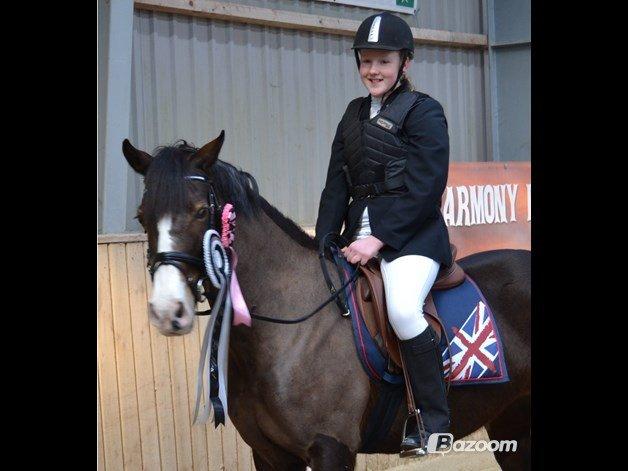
(202, 213)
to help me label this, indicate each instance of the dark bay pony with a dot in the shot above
(298, 394)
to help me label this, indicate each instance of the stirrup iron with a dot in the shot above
(422, 449)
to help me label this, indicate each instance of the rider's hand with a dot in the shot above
(362, 250)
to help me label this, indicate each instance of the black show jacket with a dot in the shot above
(410, 223)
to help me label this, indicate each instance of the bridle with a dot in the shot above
(181, 260)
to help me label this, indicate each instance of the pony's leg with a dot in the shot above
(513, 424)
(277, 460)
(267, 455)
(327, 453)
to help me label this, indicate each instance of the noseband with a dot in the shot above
(181, 260)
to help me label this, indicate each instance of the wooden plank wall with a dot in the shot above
(146, 381)
(146, 384)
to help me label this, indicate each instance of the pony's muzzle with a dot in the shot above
(171, 320)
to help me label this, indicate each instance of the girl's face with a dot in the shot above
(378, 70)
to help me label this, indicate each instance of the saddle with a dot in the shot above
(372, 303)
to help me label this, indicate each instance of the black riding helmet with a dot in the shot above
(384, 31)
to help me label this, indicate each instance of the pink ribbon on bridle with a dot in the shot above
(241, 314)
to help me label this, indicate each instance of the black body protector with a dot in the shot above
(375, 150)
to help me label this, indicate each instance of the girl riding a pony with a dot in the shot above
(387, 172)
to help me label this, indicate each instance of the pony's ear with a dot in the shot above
(207, 155)
(137, 159)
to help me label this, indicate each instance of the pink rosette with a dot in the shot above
(228, 225)
(241, 314)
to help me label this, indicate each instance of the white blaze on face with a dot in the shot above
(169, 287)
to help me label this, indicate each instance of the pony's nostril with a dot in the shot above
(176, 325)
(179, 313)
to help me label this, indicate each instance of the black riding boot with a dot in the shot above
(423, 361)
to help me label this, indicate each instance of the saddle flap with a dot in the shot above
(373, 305)
(431, 316)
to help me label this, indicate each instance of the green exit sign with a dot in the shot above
(403, 6)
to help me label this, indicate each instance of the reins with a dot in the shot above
(327, 241)
(306, 317)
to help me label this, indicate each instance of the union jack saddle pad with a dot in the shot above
(474, 354)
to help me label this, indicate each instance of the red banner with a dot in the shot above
(486, 206)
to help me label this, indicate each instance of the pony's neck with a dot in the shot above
(279, 278)
(265, 252)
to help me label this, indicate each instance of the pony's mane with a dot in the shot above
(164, 192)
(288, 225)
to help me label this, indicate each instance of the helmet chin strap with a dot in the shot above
(391, 89)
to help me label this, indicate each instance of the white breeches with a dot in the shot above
(407, 282)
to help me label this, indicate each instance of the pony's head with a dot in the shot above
(175, 213)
